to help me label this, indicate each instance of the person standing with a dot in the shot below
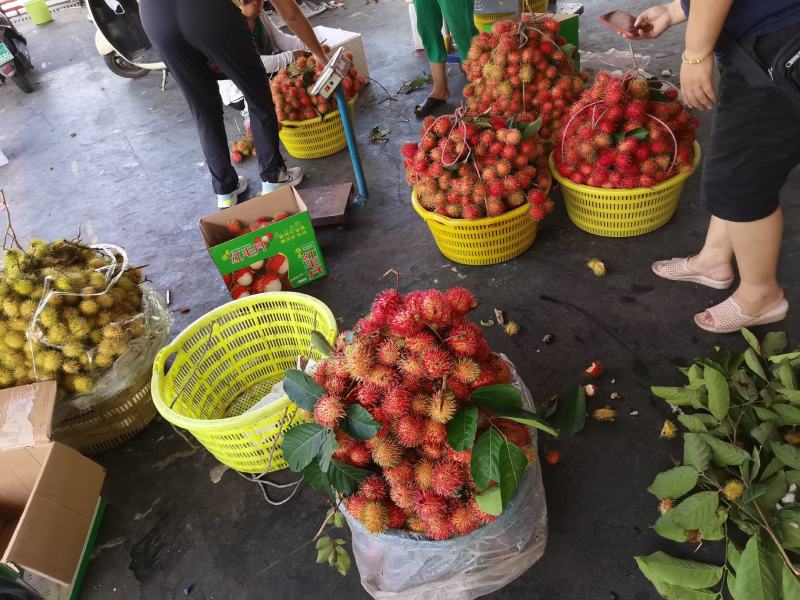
(190, 34)
(459, 15)
(753, 147)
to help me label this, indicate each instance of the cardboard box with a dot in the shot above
(252, 253)
(349, 40)
(49, 493)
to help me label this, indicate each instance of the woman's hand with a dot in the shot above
(656, 20)
(697, 84)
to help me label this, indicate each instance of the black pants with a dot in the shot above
(754, 144)
(190, 33)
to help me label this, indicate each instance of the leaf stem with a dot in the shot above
(777, 542)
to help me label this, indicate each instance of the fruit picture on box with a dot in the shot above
(626, 132)
(523, 70)
(410, 409)
(291, 90)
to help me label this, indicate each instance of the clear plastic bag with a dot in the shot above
(616, 61)
(405, 565)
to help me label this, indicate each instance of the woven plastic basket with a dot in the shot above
(110, 423)
(486, 241)
(623, 212)
(486, 20)
(315, 138)
(226, 361)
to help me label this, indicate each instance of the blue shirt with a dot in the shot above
(758, 17)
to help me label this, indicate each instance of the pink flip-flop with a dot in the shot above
(727, 317)
(677, 269)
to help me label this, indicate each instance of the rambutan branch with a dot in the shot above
(10, 233)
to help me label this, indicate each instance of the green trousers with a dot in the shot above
(459, 17)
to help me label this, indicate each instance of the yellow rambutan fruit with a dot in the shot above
(88, 306)
(443, 406)
(83, 384)
(375, 516)
(48, 361)
(14, 339)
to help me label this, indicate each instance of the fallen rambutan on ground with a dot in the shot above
(625, 132)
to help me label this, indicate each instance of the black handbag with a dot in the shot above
(783, 73)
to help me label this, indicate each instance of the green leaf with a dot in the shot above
(773, 467)
(314, 476)
(326, 450)
(759, 573)
(342, 563)
(302, 443)
(324, 549)
(496, 397)
(572, 411)
(773, 343)
(532, 129)
(779, 358)
(302, 389)
(765, 414)
(707, 362)
(789, 527)
(490, 501)
(663, 568)
(339, 521)
(676, 396)
(520, 415)
(754, 362)
(723, 453)
(485, 458)
(787, 376)
(674, 483)
(792, 396)
(511, 464)
(719, 394)
(677, 592)
(667, 529)
(640, 134)
(321, 344)
(754, 491)
(791, 585)
(462, 428)
(345, 478)
(776, 489)
(744, 385)
(692, 423)
(752, 340)
(714, 530)
(696, 452)
(789, 415)
(359, 423)
(696, 511)
(787, 454)
(569, 49)
(733, 556)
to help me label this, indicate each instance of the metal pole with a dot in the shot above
(362, 195)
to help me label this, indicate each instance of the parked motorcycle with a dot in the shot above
(121, 40)
(15, 60)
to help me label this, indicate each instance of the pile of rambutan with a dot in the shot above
(291, 90)
(466, 167)
(523, 69)
(626, 132)
(412, 364)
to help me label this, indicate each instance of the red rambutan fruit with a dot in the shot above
(429, 504)
(409, 430)
(465, 339)
(404, 494)
(405, 323)
(373, 488)
(466, 370)
(359, 455)
(386, 305)
(409, 150)
(396, 401)
(462, 519)
(359, 359)
(329, 411)
(435, 433)
(382, 376)
(388, 352)
(423, 474)
(368, 394)
(434, 308)
(412, 368)
(403, 472)
(516, 433)
(448, 477)
(464, 457)
(355, 504)
(432, 451)
(623, 160)
(385, 451)
(437, 528)
(397, 517)
(461, 300)
(437, 362)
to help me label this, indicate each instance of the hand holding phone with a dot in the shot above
(620, 21)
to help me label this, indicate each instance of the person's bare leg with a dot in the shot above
(757, 246)
(715, 260)
(439, 75)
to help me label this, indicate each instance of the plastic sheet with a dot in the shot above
(403, 565)
(131, 366)
(616, 61)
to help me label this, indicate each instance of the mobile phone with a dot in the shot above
(620, 21)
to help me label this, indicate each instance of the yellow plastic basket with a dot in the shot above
(315, 138)
(482, 20)
(486, 241)
(226, 361)
(623, 212)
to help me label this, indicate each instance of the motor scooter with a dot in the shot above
(121, 40)
(15, 60)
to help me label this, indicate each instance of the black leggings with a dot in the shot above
(190, 33)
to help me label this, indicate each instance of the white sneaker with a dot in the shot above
(288, 176)
(228, 200)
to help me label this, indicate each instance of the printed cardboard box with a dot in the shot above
(283, 255)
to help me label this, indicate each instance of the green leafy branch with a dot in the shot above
(741, 467)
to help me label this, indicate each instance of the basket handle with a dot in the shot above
(161, 360)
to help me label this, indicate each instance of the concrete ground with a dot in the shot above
(120, 160)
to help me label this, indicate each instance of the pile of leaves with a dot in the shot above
(625, 132)
(523, 70)
(739, 477)
(68, 312)
(291, 90)
(465, 167)
(416, 426)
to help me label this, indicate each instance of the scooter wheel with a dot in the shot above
(22, 81)
(123, 68)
